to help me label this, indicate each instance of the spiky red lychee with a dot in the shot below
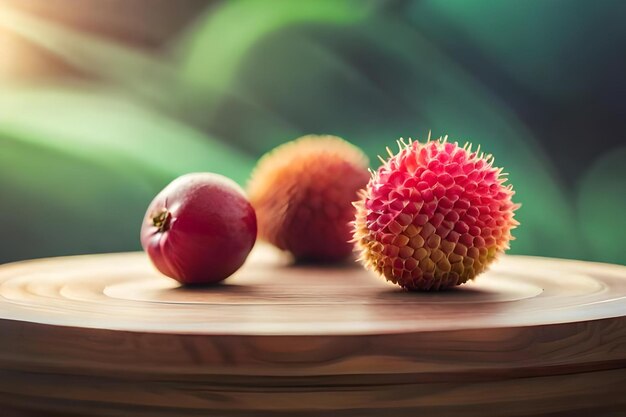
(303, 191)
(433, 216)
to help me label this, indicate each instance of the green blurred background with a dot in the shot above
(103, 102)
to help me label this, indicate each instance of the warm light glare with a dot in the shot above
(19, 59)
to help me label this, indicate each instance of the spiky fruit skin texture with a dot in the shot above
(303, 191)
(434, 216)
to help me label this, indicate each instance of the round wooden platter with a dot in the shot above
(106, 335)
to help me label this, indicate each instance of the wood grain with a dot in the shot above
(105, 335)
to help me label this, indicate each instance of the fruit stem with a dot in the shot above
(162, 220)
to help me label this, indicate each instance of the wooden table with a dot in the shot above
(105, 335)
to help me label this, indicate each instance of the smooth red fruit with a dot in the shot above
(199, 229)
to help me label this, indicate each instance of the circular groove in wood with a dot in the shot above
(106, 335)
(267, 296)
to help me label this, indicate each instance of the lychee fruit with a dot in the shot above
(303, 191)
(434, 215)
